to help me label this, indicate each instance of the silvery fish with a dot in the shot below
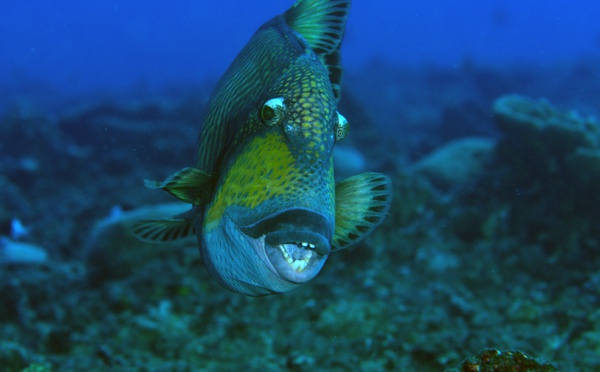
(266, 209)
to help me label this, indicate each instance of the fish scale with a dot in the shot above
(265, 206)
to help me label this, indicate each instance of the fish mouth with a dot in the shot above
(296, 242)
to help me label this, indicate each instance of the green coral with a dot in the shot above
(491, 360)
(38, 368)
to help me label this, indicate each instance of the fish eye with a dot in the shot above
(341, 128)
(272, 111)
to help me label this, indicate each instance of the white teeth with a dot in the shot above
(297, 265)
(311, 246)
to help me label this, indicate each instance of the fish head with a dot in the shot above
(270, 225)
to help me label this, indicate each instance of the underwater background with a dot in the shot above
(484, 114)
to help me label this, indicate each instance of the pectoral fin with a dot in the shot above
(190, 185)
(166, 230)
(361, 204)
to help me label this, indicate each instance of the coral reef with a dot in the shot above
(548, 169)
(507, 259)
(548, 142)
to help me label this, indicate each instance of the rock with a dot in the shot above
(348, 161)
(584, 164)
(12, 252)
(547, 170)
(112, 252)
(454, 164)
(546, 146)
(537, 124)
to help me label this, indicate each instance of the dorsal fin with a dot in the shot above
(322, 23)
(334, 69)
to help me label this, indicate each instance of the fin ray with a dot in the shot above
(362, 202)
(190, 185)
(323, 24)
(163, 231)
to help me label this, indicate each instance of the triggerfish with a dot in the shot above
(266, 209)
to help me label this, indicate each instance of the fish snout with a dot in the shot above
(297, 242)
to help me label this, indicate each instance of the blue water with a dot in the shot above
(491, 241)
(83, 45)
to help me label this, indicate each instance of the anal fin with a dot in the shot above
(361, 204)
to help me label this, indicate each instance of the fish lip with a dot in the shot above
(294, 225)
(300, 234)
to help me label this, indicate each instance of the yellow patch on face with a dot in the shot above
(261, 172)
